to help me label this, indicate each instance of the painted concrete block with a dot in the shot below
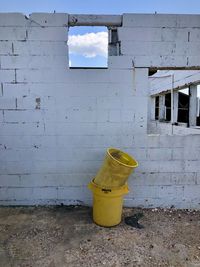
(189, 178)
(49, 20)
(13, 19)
(9, 180)
(45, 193)
(192, 191)
(159, 154)
(13, 142)
(191, 165)
(21, 129)
(66, 193)
(193, 60)
(149, 20)
(144, 34)
(12, 193)
(127, 115)
(63, 75)
(120, 62)
(144, 191)
(171, 191)
(194, 35)
(40, 48)
(7, 76)
(7, 103)
(162, 61)
(109, 102)
(198, 178)
(16, 167)
(33, 62)
(160, 20)
(5, 48)
(22, 116)
(13, 33)
(139, 48)
(115, 115)
(15, 90)
(29, 103)
(47, 34)
(188, 21)
(176, 34)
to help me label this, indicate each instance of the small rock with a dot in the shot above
(154, 209)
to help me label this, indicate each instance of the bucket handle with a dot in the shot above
(106, 190)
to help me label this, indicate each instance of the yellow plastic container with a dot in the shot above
(107, 204)
(116, 168)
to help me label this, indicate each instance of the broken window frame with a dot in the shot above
(176, 121)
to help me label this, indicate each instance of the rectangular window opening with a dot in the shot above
(156, 107)
(168, 107)
(167, 86)
(88, 47)
(183, 105)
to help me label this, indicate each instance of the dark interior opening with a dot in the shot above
(168, 106)
(183, 107)
(157, 108)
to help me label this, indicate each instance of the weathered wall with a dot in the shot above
(56, 122)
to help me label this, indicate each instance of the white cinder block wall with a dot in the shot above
(56, 122)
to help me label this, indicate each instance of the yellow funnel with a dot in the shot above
(115, 170)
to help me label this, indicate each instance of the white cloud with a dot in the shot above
(89, 45)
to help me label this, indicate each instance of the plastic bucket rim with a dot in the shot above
(123, 164)
(108, 188)
(114, 192)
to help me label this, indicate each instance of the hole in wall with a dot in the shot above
(183, 105)
(168, 107)
(88, 47)
(156, 107)
(186, 96)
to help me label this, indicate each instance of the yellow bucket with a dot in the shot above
(107, 204)
(116, 168)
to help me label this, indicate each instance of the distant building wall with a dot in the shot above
(162, 80)
(57, 122)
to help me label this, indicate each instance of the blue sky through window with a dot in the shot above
(88, 46)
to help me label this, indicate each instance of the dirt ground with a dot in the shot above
(66, 236)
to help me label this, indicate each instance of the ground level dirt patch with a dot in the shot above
(66, 236)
